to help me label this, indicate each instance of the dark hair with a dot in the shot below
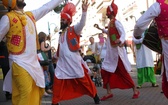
(100, 34)
(42, 36)
(91, 37)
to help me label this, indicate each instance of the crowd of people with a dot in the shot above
(67, 74)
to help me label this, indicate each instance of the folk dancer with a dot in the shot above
(159, 13)
(144, 63)
(71, 74)
(116, 66)
(22, 43)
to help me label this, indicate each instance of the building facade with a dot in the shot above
(128, 13)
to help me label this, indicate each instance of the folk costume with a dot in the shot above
(116, 65)
(157, 12)
(144, 63)
(71, 74)
(22, 43)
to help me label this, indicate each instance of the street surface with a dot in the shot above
(148, 95)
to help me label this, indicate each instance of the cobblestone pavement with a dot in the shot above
(148, 95)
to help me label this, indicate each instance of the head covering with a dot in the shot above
(112, 9)
(68, 11)
(88, 60)
(10, 4)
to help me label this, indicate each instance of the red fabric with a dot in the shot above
(66, 89)
(73, 40)
(164, 81)
(65, 16)
(161, 20)
(165, 84)
(2, 56)
(69, 9)
(113, 32)
(115, 9)
(120, 79)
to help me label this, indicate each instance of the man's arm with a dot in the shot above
(145, 19)
(46, 8)
(78, 28)
(137, 41)
(4, 26)
(103, 30)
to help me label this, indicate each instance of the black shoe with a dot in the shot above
(96, 99)
(8, 96)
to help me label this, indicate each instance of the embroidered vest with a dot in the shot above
(16, 36)
(162, 19)
(73, 40)
(113, 33)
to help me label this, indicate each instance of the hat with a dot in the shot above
(112, 9)
(9, 3)
(88, 61)
(68, 11)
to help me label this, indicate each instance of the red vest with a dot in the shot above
(161, 20)
(113, 32)
(73, 40)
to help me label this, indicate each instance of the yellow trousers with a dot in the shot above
(24, 89)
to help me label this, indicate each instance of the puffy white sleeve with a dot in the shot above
(121, 30)
(46, 8)
(4, 26)
(144, 21)
(137, 41)
(79, 26)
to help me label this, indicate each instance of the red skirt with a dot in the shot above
(164, 83)
(120, 79)
(66, 89)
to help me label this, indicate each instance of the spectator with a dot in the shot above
(92, 47)
(101, 53)
(116, 66)
(71, 74)
(46, 48)
(101, 47)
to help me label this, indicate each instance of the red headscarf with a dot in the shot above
(112, 9)
(68, 11)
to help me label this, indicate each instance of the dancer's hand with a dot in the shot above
(119, 43)
(97, 26)
(85, 5)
